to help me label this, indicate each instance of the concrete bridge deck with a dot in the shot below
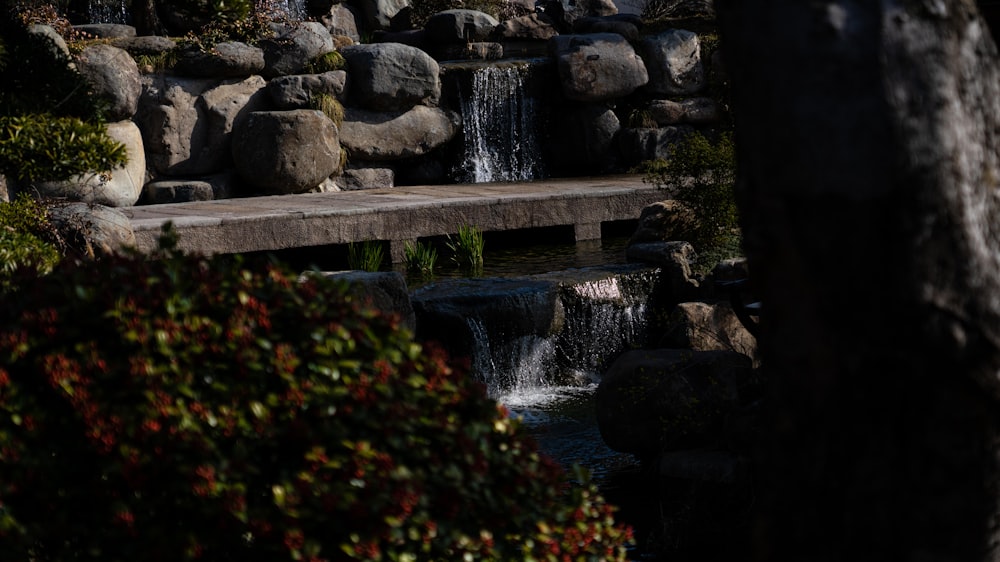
(396, 215)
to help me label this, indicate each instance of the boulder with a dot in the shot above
(597, 67)
(357, 177)
(583, 140)
(56, 43)
(379, 14)
(340, 20)
(177, 191)
(392, 76)
(651, 144)
(120, 187)
(294, 46)
(103, 230)
(626, 26)
(150, 45)
(113, 75)
(674, 259)
(460, 26)
(295, 91)
(571, 10)
(653, 401)
(283, 152)
(530, 27)
(230, 59)
(673, 59)
(106, 30)
(664, 221)
(380, 137)
(470, 51)
(187, 122)
(708, 326)
(385, 291)
(697, 111)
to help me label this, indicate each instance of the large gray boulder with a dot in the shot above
(57, 45)
(379, 14)
(653, 401)
(673, 59)
(120, 187)
(697, 111)
(530, 27)
(340, 20)
(295, 91)
(294, 46)
(651, 144)
(664, 221)
(392, 76)
(597, 67)
(708, 326)
(572, 10)
(103, 230)
(113, 75)
(282, 152)
(187, 122)
(106, 30)
(380, 137)
(460, 26)
(230, 59)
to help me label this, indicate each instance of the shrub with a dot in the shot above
(44, 147)
(366, 256)
(29, 244)
(702, 175)
(467, 248)
(207, 410)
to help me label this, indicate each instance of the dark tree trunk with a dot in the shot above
(868, 136)
(146, 19)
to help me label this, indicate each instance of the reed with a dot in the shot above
(365, 256)
(419, 259)
(467, 248)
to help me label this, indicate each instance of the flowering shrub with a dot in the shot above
(184, 408)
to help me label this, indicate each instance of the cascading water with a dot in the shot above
(499, 124)
(292, 10)
(107, 11)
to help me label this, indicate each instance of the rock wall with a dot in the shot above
(617, 96)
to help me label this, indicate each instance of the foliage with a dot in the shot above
(467, 248)
(249, 29)
(672, 9)
(702, 175)
(38, 77)
(29, 244)
(44, 147)
(326, 63)
(329, 106)
(641, 119)
(420, 259)
(160, 62)
(366, 256)
(209, 410)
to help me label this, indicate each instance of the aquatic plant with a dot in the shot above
(365, 256)
(467, 248)
(419, 259)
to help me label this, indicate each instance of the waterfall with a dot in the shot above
(499, 123)
(107, 11)
(292, 10)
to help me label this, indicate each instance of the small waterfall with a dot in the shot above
(108, 11)
(292, 10)
(499, 124)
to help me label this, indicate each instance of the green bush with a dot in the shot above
(44, 147)
(702, 175)
(29, 244)
(420, 259)
(209, 410)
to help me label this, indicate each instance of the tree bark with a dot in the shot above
(146, 19)
(867, 143)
